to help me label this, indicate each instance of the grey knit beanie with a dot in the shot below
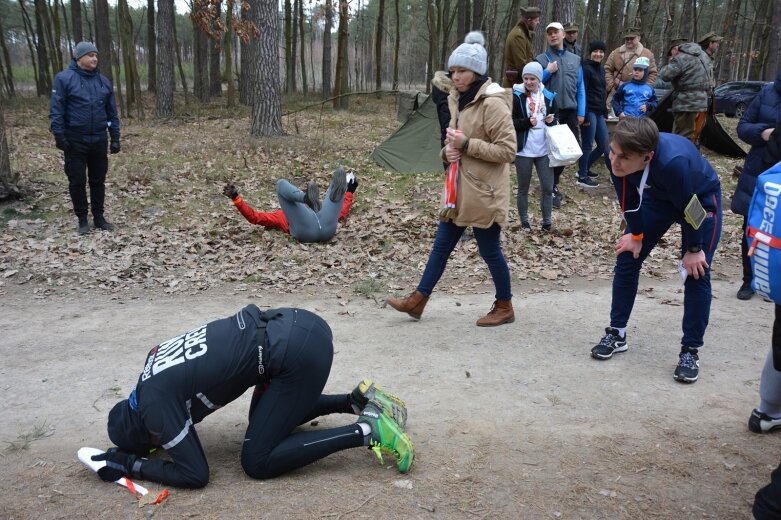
(83, 48)
(471, 54)
(532, 68)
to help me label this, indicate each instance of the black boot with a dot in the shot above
(83, 225)
(102, 223)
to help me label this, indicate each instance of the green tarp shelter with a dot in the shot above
(415, 146)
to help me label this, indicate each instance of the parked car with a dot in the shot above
(732, 98)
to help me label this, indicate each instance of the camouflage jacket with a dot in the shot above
(691, 77)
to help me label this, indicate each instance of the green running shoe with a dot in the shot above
(367, 391)
(387, 436)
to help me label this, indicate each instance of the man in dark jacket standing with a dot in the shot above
(81, 111)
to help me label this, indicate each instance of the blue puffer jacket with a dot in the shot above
(764, 112)
(82, 106)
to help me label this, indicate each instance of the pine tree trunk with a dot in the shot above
(201, 87)
(103, 38)
(774, 42)
(78, 32)
(290, 69)
(328, 27)
(266, 110)
(8, 179)
(247, 60)
(151, 44)
(29, 35)
(164, 91)
(302, 47)
(396, 49)
(44, 73)
(178, 52)
(228, 49)
(215, 77)
(294, 46)
(55, 32)
(341, 86)
(378, 37)
(8, 71)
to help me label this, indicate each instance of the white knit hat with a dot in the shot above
(471, 54)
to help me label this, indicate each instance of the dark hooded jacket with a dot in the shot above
(764, 112)
(82, 107)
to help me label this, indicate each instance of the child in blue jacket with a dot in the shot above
(635, 98)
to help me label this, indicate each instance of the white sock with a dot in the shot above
(621, 332)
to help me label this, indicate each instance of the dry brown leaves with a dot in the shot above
(177, 233)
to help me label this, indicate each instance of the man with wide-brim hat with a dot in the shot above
(518, 49)
(571, 31)
(618, 67)
(672, 49)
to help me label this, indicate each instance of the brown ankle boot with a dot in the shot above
(500, 313)
(412, 304)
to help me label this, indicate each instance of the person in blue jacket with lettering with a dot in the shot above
(635, 98)
(656, 176)
(82, 110)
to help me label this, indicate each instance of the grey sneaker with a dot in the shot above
(338, 185)
(312, 196)
(587, 182)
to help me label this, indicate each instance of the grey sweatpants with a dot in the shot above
(304, 224)
(523, 167)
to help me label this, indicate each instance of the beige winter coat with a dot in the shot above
(618, 67)
(483, 195)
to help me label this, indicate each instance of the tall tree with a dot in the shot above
(327, 28)
(29, 34)
(67, 30)
(78, 33)
(8, 178)
(302, 46)
(8, 71)
(164, 91)
(55, 33)
(228, 49)
(290, 65)
(201, 87)
(464, 23)
(378, 38)
(294, 45)
(151, 46)
(103, 38)
(478, 8)
(215, 78)
(249, 50)
(774, 42)
(266, 109)
(132, 81)
(42, 48)
(341, 85)
(396, 49)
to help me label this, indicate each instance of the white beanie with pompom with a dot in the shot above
(471, 54)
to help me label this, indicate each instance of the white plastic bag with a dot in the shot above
(563, 148)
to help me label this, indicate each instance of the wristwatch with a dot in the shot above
(694, 249)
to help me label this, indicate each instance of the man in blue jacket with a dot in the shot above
(82, 110)
(657, 177)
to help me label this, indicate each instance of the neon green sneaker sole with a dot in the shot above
(367, 391)
(388, 437)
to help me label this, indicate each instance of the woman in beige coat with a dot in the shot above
(481, 137)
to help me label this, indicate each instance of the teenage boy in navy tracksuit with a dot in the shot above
(656, 176)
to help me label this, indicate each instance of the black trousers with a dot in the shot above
(293, 397)
(83, 162)
(567, 117)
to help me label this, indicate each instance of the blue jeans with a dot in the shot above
(658, 217)
(597, 128)
(448, 235)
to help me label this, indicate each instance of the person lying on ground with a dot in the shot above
(286, 355)
(301, 213)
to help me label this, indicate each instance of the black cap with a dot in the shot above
(596, 45)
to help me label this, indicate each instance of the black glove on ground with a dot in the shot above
(118, 464)
(352, 185)
(62, 143)
(230, 191)
(114, 147)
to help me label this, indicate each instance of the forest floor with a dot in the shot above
(510, 422)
